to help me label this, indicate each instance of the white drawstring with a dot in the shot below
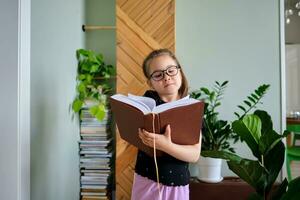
(154, 154)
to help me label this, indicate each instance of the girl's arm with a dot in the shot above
(187, 153)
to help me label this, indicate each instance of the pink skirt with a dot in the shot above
(147, 189)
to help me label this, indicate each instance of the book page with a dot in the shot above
(148, 105)
(146, 100)
(181, 102)
(133, 102)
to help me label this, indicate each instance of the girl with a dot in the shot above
(165, 76)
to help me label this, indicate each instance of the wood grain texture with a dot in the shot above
(142, 26)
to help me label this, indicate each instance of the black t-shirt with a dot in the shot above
(172, 172)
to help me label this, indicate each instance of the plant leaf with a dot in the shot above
(80, 52)
(81, 77)
(236, 114)
(217, 104)
(251, 99)
(94, 68)
(253, 124)
(205, 90)
(266, 121)
(250, 171)
(98, 111)
(81, 87)
(89, 78)
(247, 133)
(212, 96)
(247, 102)
(293, 191)
(85, 66)
(224, 83)
(255, 196)
(241, 107)
(93, 110)
(254, 96)
(268, 141)
(77, 104)
(279, 192)
(273, 162)
(100, 57)
(220, 154)
(101, 112)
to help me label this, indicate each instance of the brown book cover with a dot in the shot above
(185, 122)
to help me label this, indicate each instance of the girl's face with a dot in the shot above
(165, 68)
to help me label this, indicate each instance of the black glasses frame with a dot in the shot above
(166, 71)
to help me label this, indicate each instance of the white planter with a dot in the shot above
(210, 169)
(194, 170)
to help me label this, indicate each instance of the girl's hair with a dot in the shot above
(183, 90)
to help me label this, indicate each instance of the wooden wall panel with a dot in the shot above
(142, 26)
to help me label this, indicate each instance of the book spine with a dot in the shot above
(158, 129)
(148, 122)
(152, 123)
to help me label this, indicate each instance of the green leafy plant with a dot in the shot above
(252, 100)
(265, 144)
(217, 133)
(93, 83)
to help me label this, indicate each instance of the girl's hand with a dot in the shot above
(161, 140)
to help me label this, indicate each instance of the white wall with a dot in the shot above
(235, 40)
(15, 100)
(56, 34)
(101, 13)
(9, 99)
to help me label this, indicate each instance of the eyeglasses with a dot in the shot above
(172, 70)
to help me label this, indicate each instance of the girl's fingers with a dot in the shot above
(149, 135)
(146, 137)
(140, 130)
(143, 137)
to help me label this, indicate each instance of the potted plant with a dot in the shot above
(265, 144)
(217, 133)
(93, 83)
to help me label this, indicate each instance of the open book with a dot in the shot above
(132, 112)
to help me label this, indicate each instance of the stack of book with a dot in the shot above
(95, 156)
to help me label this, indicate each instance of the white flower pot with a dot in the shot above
(210, 169)
(194, 169)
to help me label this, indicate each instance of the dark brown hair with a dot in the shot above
(183, 90)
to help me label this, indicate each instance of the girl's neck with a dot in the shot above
(170, 97)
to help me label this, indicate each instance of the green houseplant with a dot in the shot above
(217, 133)
(94, 83)
(265, 144)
